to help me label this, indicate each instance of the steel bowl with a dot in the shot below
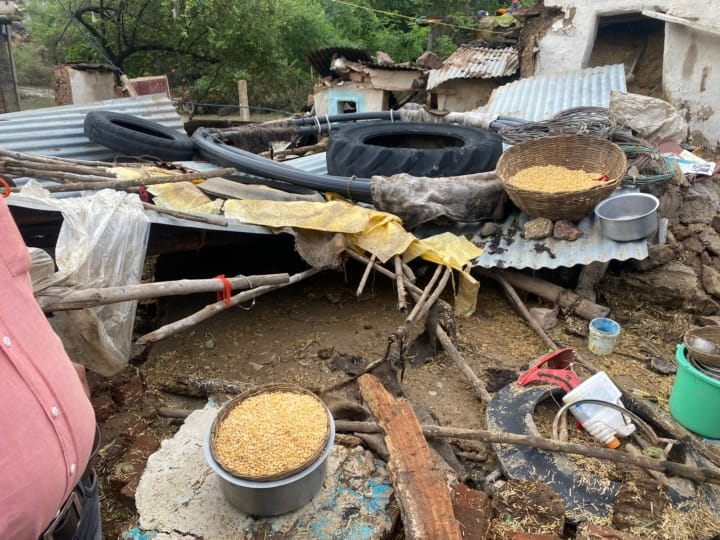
(276, 497)
(628, 216)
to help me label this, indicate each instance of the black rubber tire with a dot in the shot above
(420, 149)
(133, 136)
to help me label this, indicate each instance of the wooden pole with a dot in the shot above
(481, 392)
(213, 309)
(399, 278)
(190, 216)
(366, 274)
(425, 500)
(433, 432)
(243, 101)
(80, 299)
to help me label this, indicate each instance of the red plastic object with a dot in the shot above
(558, 370)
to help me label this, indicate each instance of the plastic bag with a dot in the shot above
(102, 243)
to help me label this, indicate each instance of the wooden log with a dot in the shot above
(125, 185)
(479, 389)
(699, 474)
(50, 301)
(190, 216)
(57, 167)
(63, 177)
(425, 500)
(213, 309)
(554, 293)
(201, 387)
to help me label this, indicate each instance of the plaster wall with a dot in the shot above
(461, 95)
(328, 100)
(89, 86)
(394, 80)
(691, 78)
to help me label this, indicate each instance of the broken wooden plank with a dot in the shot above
(425, 501)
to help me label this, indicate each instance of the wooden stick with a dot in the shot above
(56, 167)
(381, 269)
(478, 387)
(510, 290)
(425, 500)
(409, 274)
(111, 295)
(425, 293)
(686, 471)
(549, 291)
(190, 216)
(130, 184)
(213, 309)
(201, 387)
(365, 275)
(345, 382)
(429, 301)
(63, 177)
(399, 278)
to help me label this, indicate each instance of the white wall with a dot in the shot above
(691, 79)
(89, 86)
(690, 56)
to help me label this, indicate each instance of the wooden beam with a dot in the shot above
(695, 25)
(424, 497)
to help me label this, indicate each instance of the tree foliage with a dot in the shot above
(205, 46)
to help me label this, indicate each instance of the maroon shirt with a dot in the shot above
(47, 424)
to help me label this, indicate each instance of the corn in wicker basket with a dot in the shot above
(707, 333)
(585, 152)
(258, 390)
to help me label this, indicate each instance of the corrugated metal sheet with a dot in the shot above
(313, 164)
(320, 60)
(475, 63)
(512, 251)
(393, 67)
(58, 131)
(541, 97)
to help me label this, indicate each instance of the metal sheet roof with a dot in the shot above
(543, 96)
(58, 131)
(512, 251)
(475, 63)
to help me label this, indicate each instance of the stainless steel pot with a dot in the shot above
(276, 497)
(628, 216)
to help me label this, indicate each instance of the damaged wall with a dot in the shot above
(691, 58)
(335, 99)
(464, 94)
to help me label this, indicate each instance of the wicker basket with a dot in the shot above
(586, 152)
(709, 334)
(265, 389)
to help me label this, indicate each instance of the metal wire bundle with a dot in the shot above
(580, 120)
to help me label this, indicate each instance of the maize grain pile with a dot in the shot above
(554, 179)
(271, 433)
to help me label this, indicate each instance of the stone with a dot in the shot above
(706, 259)
(696, 210)
(670, 203)
(473, 510)
(537, 229)
(575, 326)
(429, 60)
(180, 492)
(545, 317)
(657, 256)
(711, 281)
(693, 245)
(489, 229)
(520, 500)
(565, 230)
(104, 406)
(663, 367)
(588, 531)
(638, 502)
(711, 240)
(715, 223)
(128, 393)
(126, 474)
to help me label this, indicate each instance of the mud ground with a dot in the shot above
(306, 334)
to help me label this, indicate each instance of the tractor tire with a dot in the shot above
(420, 149)
(133, 136)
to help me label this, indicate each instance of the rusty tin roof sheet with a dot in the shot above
(475, 63)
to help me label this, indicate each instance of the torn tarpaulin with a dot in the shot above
(418, 200)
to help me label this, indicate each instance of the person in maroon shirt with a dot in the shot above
(47, 424)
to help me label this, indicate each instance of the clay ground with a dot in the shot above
(299, 335)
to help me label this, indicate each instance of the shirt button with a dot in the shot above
(6, 341)
(73, 468)
(55, 411)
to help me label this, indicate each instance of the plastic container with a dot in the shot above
(695, 398)
(603, 423)
(602, 336)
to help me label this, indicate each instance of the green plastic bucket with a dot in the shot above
(695, 398)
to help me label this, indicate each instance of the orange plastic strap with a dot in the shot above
(8, 189)
(226, 293)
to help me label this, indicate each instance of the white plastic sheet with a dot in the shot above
(102, 243)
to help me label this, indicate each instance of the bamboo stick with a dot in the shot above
(365, 275)
(213, 309)
(201, 218)
(126, 184)
(80, 299)
(399, 278)
(58, 167)
(541, 443)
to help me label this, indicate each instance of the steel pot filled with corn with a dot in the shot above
(269, 447)
(561, 177)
